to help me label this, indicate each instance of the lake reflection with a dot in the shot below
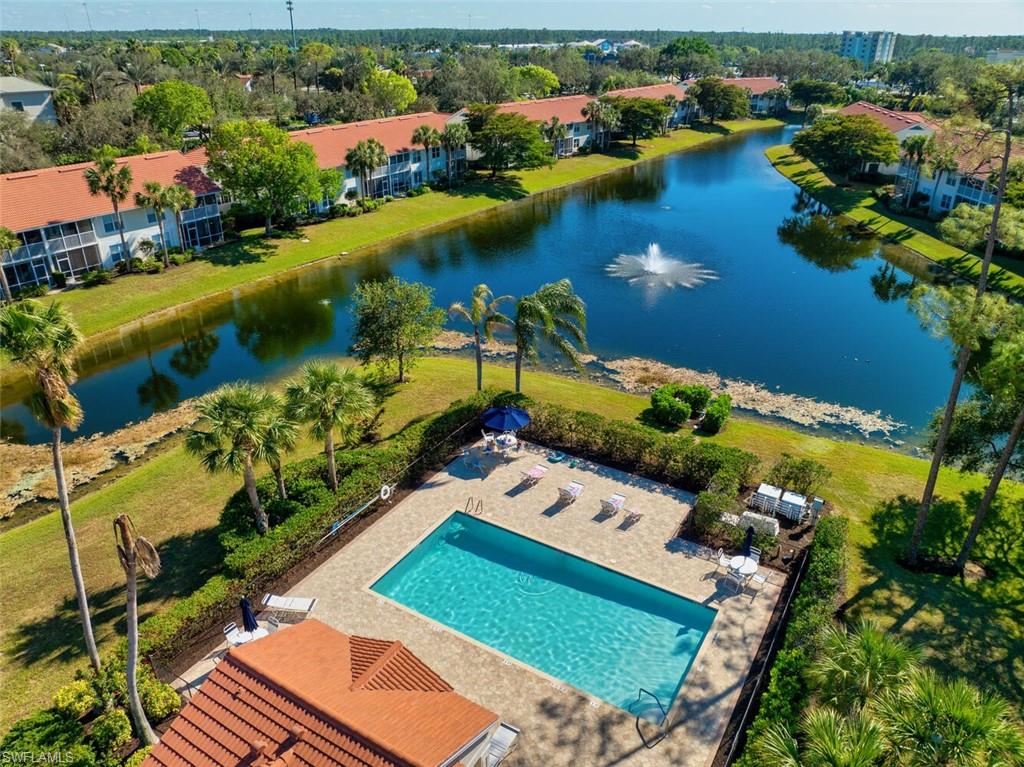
(801, 305)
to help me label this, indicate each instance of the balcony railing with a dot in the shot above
(25, 253)
(71, 241)
(200, 211)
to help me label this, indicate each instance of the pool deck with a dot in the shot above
(560, 725)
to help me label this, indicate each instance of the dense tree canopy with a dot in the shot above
(508, 140)
(843, 143)
(172, 106)
(720, 100)
(639, 117)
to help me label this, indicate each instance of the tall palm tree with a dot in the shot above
(856, 666)
(964, 355)
(453, 137)
(273, 62)
(178, 198)
(282, 434)
(329, 399)
(942, 160)
(427, 137)
(155, 198)
(8, 243)
(137, 68)
(554, 314)
(603, 118)
(135, 553)
(236, 418)
(115, 182)
(930, 722)
(93, 73)
(915, 151)
(44, 340)
(555, 132)
(363, 159)
(1004, 370)
(484, 314)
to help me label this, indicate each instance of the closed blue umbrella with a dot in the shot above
(248, 617)
(748, 541)
(506, 418)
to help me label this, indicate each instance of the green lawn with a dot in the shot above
(973, 628)
(1006, 274)
(130, 298)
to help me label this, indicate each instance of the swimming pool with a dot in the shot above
(603, 632)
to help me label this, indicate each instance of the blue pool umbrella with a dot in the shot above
(248, 617)
(505, 418)
(748, 541)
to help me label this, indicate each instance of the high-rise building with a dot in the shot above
(868, 47)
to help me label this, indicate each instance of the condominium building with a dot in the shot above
(32, 98)
(868, 48)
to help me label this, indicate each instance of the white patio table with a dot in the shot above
(745, 566)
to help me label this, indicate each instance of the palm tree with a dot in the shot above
(178, 198)
(44, 340)
(555, 132)
(829, 740)
(316, 54)
(329, 399)
(942, 160)
(137, 68)
(8, 243)
(237, 417)
(135, 553)
(915, 151)
(555, 314)
(272, 63)
(427, 137)
(106, 178)
(282, 434)
(93, 73)
(965, 351)
(484, 315)
(363, 159)
(856, 666)
(453, 137)
(931, 722)
(603, 118)
(155, 198)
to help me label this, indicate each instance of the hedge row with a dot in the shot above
(787, 694)
(252, 562)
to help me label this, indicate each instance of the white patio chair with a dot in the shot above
(489, 442)
(735, 580)
(755, 554)
(723, 560)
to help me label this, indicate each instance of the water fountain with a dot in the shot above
(652, 269)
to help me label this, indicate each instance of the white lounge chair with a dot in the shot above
(631, 518)
(570, 492)
(288, 604)
(534, 475)
(231, 628)
(501, 745)
(613, 505)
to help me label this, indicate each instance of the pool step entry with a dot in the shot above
(474, 506)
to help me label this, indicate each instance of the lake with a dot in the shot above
(800, 304)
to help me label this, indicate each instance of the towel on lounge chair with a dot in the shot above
(613, 504)
(570, 492)
(534, 475)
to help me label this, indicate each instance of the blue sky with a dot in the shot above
(977, 17)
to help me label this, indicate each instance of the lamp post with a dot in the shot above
(291, 20)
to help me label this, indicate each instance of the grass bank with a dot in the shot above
(918, 235)
(252, 258)
(176, 505)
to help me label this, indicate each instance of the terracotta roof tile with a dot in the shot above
(891, 119)
(310, 695)
(659, 91)
(35, 198)
(568, 109)
(331, 142)
(756, 85)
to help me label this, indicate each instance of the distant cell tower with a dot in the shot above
(88, 18)
(291, 20)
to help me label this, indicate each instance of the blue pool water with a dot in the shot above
(602, 632)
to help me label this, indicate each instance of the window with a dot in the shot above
(18, 106)
(157, 242)
(951, 179)
(945, 202)
(399, 158)
(435, 152)
(150, 217)
(116, 253)
(110, 224)
(417, 178)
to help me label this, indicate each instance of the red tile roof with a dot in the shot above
(310, 695)
(891, 119)
(659, 91)
(756, 85)
(568, 109)
(331, 142)
(35, 198)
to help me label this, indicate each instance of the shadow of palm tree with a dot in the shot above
(248, 250)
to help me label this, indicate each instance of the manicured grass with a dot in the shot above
(130, 298)
(970, 627)
(916, 234)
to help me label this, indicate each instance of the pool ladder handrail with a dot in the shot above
(664, 719)
(474, 506)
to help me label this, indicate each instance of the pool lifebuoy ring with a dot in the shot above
(385, 492)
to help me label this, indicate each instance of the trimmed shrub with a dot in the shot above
(31, 291)
(159, 700)
(75, 699)
(97, 277)
(46, 731)
(59, 280)
(138, 757)
(717, 414)
(669, 407)
(804, 475)
(110, 731)
(788, 693)
(708, 511)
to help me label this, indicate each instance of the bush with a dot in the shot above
(717, 414)
(708, 511)
(153, 266)
(159, 700)
(137, 758)
(42, 733)
(97, 277)
(110, 731)
(804, 475)
(787, 694)
(75, 699)
(58, 280)
(31, 291)
(668, 408)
